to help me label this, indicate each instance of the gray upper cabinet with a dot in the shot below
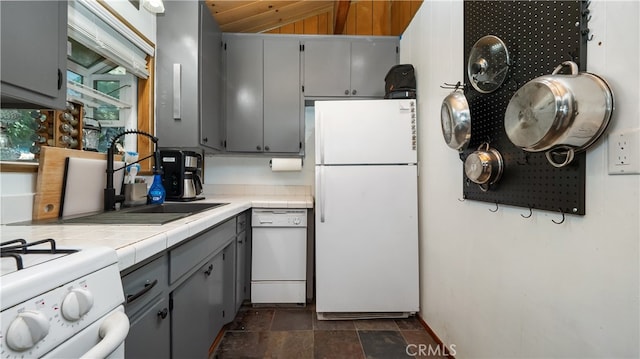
(262, 92)
(34, 62)
(189, 82)
(244, 93)
(348, 66)
(282, 99)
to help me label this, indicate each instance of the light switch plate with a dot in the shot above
(624, 152)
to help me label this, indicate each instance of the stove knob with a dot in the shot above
(76, 303)
(26, 330)
(296, 221)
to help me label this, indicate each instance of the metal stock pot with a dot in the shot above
(455, 119)
(484, 166)
(560, 114)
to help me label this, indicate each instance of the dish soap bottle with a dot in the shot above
(156, 192)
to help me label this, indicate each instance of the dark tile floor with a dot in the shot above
(282, 332)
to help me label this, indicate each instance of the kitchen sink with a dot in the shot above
(188, 207)
(157, 214)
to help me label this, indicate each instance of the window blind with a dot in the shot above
(90, 29)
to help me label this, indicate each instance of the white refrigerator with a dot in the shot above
(366, 213)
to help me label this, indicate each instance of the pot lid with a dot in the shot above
(531, 115)
(488, 64)
(455, 119)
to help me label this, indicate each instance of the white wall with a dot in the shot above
(497, 285)
(252, 170)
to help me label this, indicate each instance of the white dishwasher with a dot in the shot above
(278, 255)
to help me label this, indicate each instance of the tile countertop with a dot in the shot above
(135, 243)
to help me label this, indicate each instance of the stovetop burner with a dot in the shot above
(37, 252)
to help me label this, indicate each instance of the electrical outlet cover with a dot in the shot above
(624, 152)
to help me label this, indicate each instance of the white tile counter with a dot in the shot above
(135, 243)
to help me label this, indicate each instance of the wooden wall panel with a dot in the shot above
(363, 17)
(381, 18)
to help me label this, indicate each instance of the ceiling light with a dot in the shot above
(154, 6)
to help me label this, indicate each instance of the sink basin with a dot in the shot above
(146, 215)
(189, 207)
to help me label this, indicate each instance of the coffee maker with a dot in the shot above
(182, 173)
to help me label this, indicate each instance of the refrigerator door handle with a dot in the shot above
(321, 137)
(320, 184)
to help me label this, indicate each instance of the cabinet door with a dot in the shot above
(216, 296)
(210, 80)
(282, 95)
(33, 40)
(229, 282)
(190, 321)
(241, 255)
(149, 335)
(326, 67)
(244, 91)
(370, 62)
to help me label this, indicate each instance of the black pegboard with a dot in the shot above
(539, 35)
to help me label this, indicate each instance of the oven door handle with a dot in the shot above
(113, 331)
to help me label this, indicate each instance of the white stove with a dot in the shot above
(60, 303)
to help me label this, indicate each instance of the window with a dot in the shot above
(105, 60)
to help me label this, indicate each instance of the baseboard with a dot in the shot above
(435, 337)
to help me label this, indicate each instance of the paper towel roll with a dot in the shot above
(286, 164)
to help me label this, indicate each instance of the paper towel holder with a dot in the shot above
(271, 163)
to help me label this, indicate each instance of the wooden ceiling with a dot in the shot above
(260, 16)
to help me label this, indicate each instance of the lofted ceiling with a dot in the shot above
(261, 16)
(268, 15)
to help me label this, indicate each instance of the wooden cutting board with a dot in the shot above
(46, 204)
(85, 183)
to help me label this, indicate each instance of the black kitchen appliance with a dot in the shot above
(182, 174)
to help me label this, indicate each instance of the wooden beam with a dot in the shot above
(342, 10)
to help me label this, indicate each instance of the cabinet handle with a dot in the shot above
(240, 241)
(346, 92)
(209, 270)
(147, 287)
(177, 94)
(266, 148)
(258, 148)
(354, 92)
(205, 140)
(59, 79)
(163, 313)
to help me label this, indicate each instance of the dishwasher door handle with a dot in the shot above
(266, 222)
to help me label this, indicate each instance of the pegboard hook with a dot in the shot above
(530, 213)
(494, 210)
(455, 86)
(562, 221)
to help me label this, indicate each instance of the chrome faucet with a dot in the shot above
(110, 196)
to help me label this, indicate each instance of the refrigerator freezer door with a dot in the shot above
(366, 239)
(366, 132)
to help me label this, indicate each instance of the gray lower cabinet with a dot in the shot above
(349, 66)
(34, 59)
(147, 307)
(178, 302)
(189, 79)
(149, 332)
(190, 320)
(262, 91)
(229, 282)
(241, 269)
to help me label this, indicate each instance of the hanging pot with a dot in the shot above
(559, 114)
(488, 64)
(455, 118)
(484, 166)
